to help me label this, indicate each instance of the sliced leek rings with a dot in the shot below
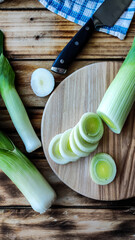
(42, 82)
(54, 150)
(91, 127)
(81, 143)
(102, 169)
(74, 146)
(65, 148)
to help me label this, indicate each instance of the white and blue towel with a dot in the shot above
(79, 11)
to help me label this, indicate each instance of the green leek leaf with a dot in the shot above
(25, 175)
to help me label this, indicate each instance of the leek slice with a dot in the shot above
(102, 169)
(25, 176)
(54, 151)
(65, 148)
(42, 82)
(15, 106)
(91, 127)
(81, 143)
(120, 96)
(74, 146)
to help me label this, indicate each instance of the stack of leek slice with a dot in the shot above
(77, 142)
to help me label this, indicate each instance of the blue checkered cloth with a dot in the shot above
(79, 11)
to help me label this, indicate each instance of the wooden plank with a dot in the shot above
(24, 70)
(42, 35)
(11, 196)
(15, 4)
(59, 224)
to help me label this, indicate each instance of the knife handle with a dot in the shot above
(71, 50)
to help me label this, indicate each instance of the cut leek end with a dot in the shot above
(32, 145)
(54, 151)
(65, 148)
(109, 122)
(91, 127)
(47, 203)
(102, 169)
(42, 82)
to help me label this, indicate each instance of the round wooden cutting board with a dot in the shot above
(81, 92)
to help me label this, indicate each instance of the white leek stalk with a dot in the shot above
(25, 176)
(120, 96)
(15, 106)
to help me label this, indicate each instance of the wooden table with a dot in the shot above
(33, 38)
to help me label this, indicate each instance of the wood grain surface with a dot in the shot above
(68, 223)
(33, 38)
(19, 5)
(23, 78)
(41, 34)
(82, 92)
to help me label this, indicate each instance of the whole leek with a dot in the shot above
(25, 175)
(15, 106)
(120, 96)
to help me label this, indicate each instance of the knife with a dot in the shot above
(106, 15)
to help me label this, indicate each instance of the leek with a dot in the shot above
(120, 96)
(15, 106)
(65, 148)
(42, 82)
(91, 127)
(81, 143)
(54, 150)
(102, 169)
(74, 146)
(25, 175)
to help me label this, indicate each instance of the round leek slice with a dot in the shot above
(81, 143)
(102, 169)
(54, 150)
(91, 127)
(74, 146)
(65, 149)
(42, 82)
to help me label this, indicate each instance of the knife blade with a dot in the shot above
(106, 15)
